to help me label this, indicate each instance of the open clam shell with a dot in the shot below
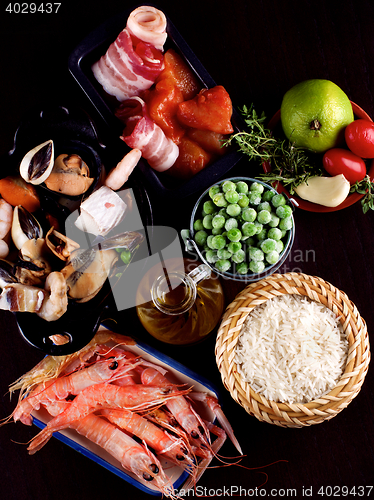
(37, 164)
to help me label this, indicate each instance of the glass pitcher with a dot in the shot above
(185, 304)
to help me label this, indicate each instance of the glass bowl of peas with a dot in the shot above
(242, 228)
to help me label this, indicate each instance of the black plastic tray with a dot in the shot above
(92, 48)
(72, 130)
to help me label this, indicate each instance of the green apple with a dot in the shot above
(314, 114)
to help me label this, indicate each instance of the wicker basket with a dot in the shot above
(293, 415)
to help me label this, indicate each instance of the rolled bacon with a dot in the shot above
(143, 133)
(125, 70)
(148, 24)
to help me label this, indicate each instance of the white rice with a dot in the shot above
(291, 349)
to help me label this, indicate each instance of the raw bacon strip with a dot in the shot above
(148, 24)
(128, 67)
(142, 133)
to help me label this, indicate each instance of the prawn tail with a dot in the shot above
(39, 440)
(221, 417)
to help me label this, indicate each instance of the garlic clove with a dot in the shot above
(37, 164)
(326, 191)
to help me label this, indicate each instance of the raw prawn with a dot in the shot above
(55, 304)
(132, 456)
(61, 388)
(6, 218)
(51, 367)
(102, 396)
(119, 175)
(182, 411)
(163, 443)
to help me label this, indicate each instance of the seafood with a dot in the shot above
(132, 456)
(24, 227)
(17, 297)
(4, 249)
(175, 449)
(33, 265)
(60, 245)
(119, 175)
(6, 218)
(55, 304)
(60, 388)
(70, 175)
(101, 396)
(37, 164)
(52, 367)
(101, 212)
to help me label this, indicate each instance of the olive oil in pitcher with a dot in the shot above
(186, 304)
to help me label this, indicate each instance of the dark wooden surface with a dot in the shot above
(257, 50)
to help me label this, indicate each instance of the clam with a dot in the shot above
(7, 276)
(88, 270)
(37, 164)
(60, 245)
(70, 175)
(24, 227)
(33, 265)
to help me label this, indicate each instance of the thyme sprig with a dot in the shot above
(290, 164)
(365, 187)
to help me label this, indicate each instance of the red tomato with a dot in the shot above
(338, 161)
(359, 136)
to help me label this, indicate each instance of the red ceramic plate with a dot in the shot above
(314, 207)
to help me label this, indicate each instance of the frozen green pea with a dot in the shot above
(285, 224)
(223, 265)
(256, 187)
(256, 254)
(243, 200)
(228, 186)
(222, 211)
(234, 234)
(218, 242)
(284, 211)
(256, 266)
(254, 198)
(219, 200)
(250, 242)
(209, 241)
(234, 246)
(259, 226)
(125, 256)
(198, 224)
(224, 254)
(232, 196)
(233, 209)
(201, 237)
(264, 217)
(211, 256)
(242, 187)
(218, 221)
(262, 235)
(280, 246)
(217, 230)
(275, 233)
(207, 221)
(274, 221)
(249, 214)
(268, 245)
(209, 207)
(278, 200)
(238, 256)
(213, 191)
(264, 205)
(268, 195)
(249, 229)
(231, 223)
(272, 257)
(242, 268)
